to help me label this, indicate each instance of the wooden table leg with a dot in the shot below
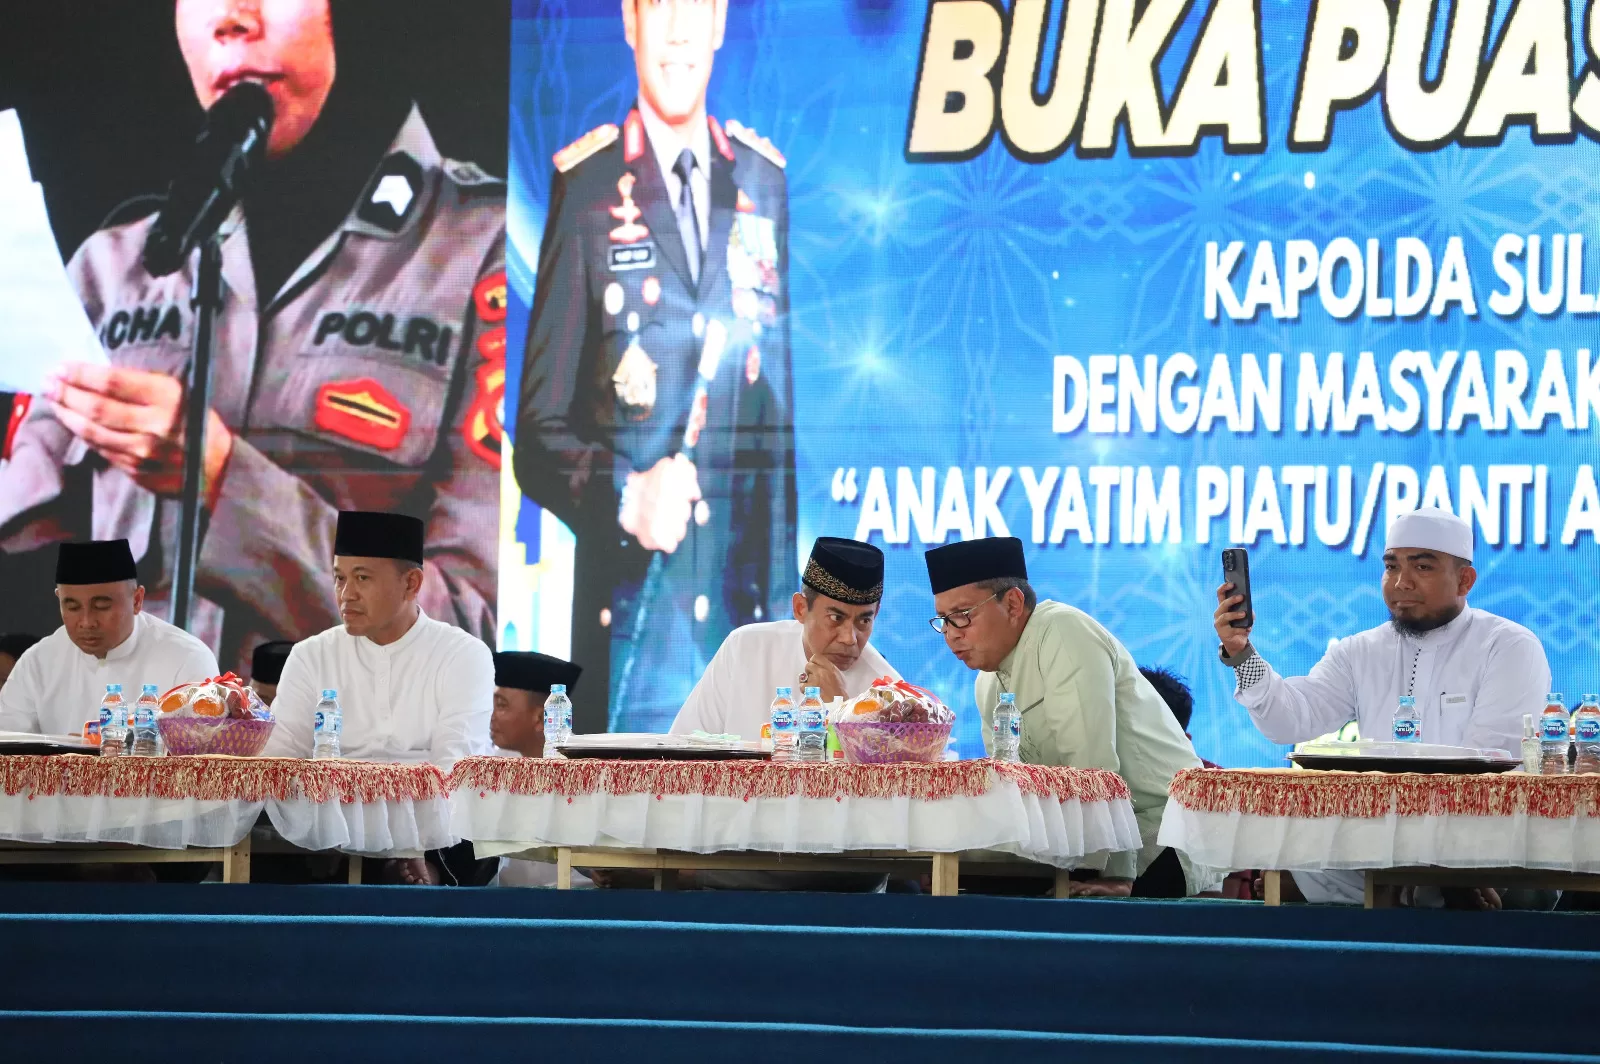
(1272, 886)
(355, 869)
(564, 868)
(946, 874)
(1063, 883)
(236, 866)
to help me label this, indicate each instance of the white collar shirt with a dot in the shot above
(56, 688)
(667, 144)
(734, 697)
(1473, 680)
(425, 697)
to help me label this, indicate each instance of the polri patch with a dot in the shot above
(364, 411)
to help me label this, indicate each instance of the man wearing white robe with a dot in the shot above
(410, 688)
(104, 638)
(1473, 674)
(825, 645)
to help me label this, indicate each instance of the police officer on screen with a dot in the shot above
(359, 352)
(655, 414)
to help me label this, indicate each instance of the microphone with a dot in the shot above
(209, 184)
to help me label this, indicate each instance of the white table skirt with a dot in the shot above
(370, 829)
(1058, 833)
(1234, 840)
(168, 824)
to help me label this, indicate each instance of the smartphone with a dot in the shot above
(1236, 571)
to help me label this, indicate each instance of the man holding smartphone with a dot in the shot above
(1472, 673)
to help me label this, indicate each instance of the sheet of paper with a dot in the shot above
(45, 326)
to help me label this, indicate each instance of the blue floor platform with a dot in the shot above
(248, 973)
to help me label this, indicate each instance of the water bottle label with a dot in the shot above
(812, 720)
(144, 717)
(1405, 731)
(105, 715)
(782, 719)
(1016, 727)
(1588, 730)
(320, 720)
(1553, 729)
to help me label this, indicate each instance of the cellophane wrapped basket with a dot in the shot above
(202, 735)
(894, 721)
(219, 715)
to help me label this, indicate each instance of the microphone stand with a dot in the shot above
(205, 302)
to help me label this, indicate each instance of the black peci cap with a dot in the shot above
(525, 670)
(974, 561)
(846, 570)
(370, 534)
(101, 561)
(266, 661)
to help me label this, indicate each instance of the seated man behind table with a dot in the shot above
(825, 646)
(104, 638)
(266, 667)
(522, 682)
(1473, 674)
(1082, 699)
(12, 646)
(410, 688)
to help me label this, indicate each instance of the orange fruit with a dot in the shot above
(208, 704)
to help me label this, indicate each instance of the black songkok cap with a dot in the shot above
(266, 662)
(974, 561)
(102, 561)
(368, 534)
(846, 570)
(524, 670)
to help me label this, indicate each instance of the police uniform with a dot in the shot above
(371, 380)
(619, 373)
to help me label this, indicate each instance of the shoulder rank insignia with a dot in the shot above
(755, 142)
(585, 146)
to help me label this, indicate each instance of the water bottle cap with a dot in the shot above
(329, 694)
(813, 692)
(113, 688)
(1553, 697)
(1407, 700)
(1008, 698)
(786, 692)
(558, 688)
(1591, 699)
(150, 689)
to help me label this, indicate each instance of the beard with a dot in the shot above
(1415, 626)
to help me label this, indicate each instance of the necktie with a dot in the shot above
(688, 222)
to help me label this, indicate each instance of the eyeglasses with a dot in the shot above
(958, 619)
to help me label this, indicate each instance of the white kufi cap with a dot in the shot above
(1432, 529)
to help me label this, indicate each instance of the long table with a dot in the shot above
(80, 809)
(1507, 829)
(977, 816)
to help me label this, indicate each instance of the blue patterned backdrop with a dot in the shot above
(930, 299)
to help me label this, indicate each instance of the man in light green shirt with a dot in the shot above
(1083, 701)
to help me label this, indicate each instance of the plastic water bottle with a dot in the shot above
(1530, 745)
(557, 719)
(1586, 734)
(329, 724)
(144, 723)
(113, 722)
(1407, 721)
(785, 724)
(1553, 736)
(812, 740)
(1007, 729)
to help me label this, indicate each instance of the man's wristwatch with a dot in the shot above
(1238, 659)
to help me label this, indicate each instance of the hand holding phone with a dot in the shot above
(1235, 614)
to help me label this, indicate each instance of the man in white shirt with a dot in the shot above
(825, 646)
(104, 638)
(410, 688)
(1472, 673)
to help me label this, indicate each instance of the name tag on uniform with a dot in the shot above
(633, 256)
(1453, 700)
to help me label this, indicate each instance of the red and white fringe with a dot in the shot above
(1291, 793)
(220, 779)
(765, 779)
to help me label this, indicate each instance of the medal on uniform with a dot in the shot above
(627, 212)
(635, 381)
(752, 266)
